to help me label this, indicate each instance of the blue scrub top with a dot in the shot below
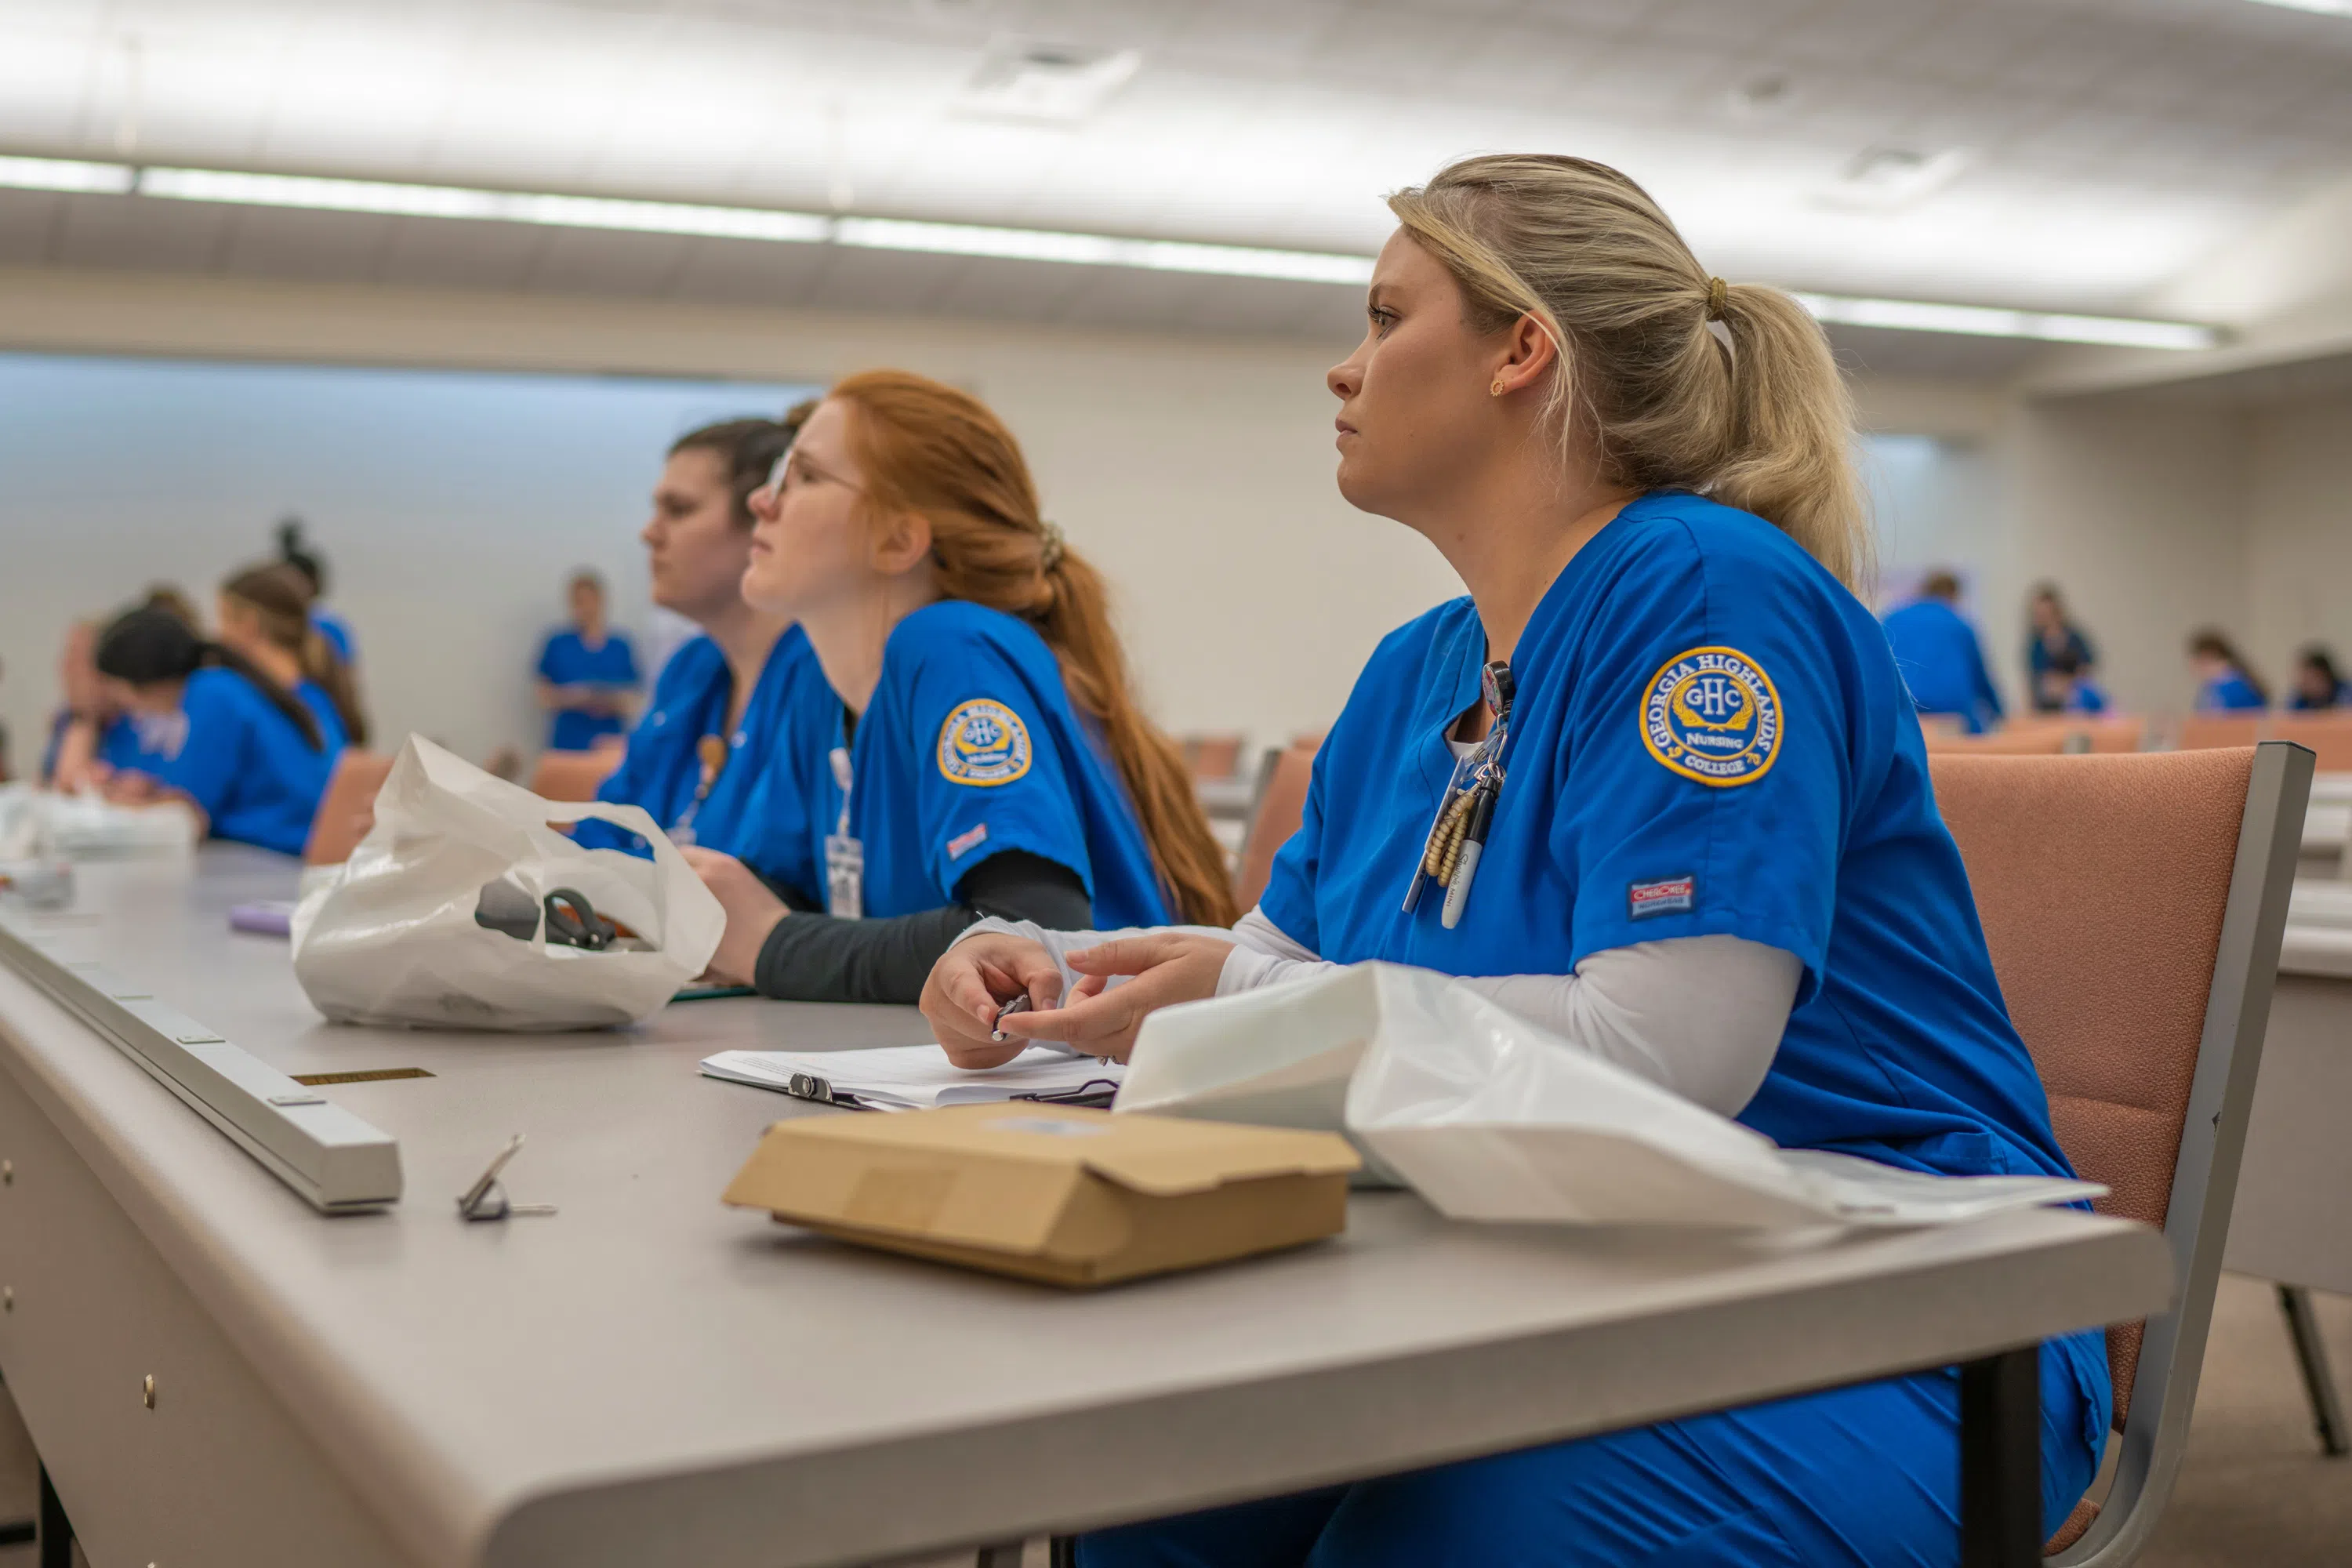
(970, 748)
(2298, 701)
(2230, 693)
(138, 741)
(337, 631)
(245, 763)
(754, 809)
(1942, 663)
(565, 659)
(1709, 736)
(323, 708)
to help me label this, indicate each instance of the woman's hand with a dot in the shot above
(969, 985)
(752, 912)
(1167, 967)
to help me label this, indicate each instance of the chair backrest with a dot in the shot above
(2327, 735)
(2134, 907)
(1281, 804)
(2108, 736)
(1217, 756)
(572, 776)
(347, 810)
(2200, 730)
(2036, 740)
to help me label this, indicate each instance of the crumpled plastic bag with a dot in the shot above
(393, 936)
(37, 823)
(1491, 1118)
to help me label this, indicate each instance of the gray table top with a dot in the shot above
(651, 1377)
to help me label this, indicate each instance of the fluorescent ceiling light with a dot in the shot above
(2325, 7)
(397, 199)
(1991, 322)
(64, 175)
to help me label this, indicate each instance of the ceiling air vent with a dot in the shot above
(1887, 179)
(1021, 79)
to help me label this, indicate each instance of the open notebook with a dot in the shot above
(915, 1077)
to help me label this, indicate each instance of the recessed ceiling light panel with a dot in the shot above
(2324, 8)
(1057, 84)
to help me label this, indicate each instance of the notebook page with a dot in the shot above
(917, 1075)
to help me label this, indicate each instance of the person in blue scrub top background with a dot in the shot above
(2077, 692)
(2317, 685)
(2225, 683)
(250, 758)
(263, 615)
(1711, 852)
(1942, 662)
(587, 671)
(714, 728)
(311, 568)
(979, 749)
(94, 735)
(2051, 631)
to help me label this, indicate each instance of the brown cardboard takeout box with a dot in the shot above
(1063, 1194)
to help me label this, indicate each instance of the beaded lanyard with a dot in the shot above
(1457, 839)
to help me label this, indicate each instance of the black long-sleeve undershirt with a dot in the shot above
(816, 957)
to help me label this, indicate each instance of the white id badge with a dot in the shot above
(844, 877)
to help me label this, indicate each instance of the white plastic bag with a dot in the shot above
(35, 823)
(391, 937)
(1490, 1117)
(1281, 1055)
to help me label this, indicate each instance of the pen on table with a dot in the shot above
(1020, 1004)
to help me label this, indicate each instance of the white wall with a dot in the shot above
(2299, 532)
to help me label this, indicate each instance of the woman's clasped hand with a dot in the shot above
(1117, 984)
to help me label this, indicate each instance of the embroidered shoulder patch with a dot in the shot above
(985, 743)
(1711, 714)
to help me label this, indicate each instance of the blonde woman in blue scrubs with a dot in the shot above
(1708, 849)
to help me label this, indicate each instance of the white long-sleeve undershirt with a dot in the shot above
(1701, 1015)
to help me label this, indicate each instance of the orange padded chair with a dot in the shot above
(2200, 730)
(2328, 735)
(347, 810)
(2134, 906)
(2106, 737)
(1281, 804)
(574, 775)
(1214, 756)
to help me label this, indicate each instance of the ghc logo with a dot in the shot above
(1716, 697)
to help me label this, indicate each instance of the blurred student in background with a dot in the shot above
(979, 750)
(715, 727)
(587, 671)
(296, 551)
(117, 737)
(264, 618)
(1943, 663)
(2316, 683)
(2053, 632)
(250, 756)
(2225, 684)
(2070, 681)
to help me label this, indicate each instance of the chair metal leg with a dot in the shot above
(2001, 1460)
(56, 1530)
(1065, 1553)
(2318, 1379)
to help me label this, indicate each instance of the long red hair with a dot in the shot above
(927, 448)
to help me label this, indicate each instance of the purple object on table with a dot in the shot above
(272, 917)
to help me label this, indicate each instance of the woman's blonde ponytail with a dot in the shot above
(1758, 418)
